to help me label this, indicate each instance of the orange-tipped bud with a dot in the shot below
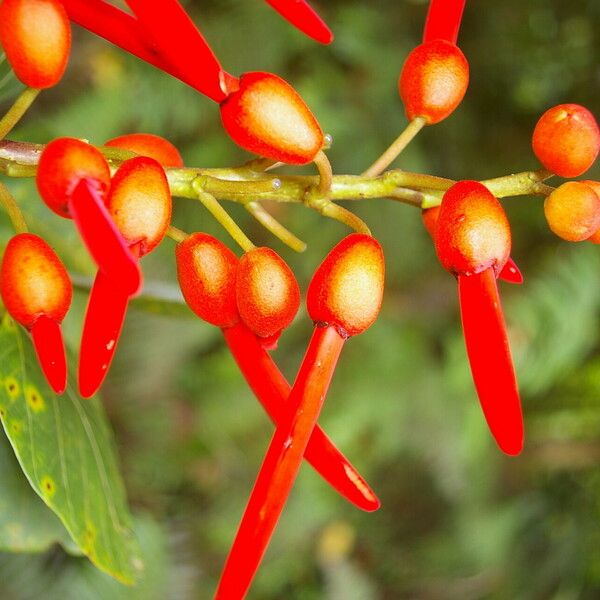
(63, 164)
(206, 270)
(147, 144)
(139, 202)
(36, 37)
(347, 288)
(573, 211)
(267, 293)
(267, 116)
(434, 80)
(33, 281)
(566, 140)
(472, 231)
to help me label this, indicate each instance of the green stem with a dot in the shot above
(223, 217)
(176, 234)
(390, 155)
(270, 223)
(243, 185)
(11, 208)
(325, 173)
(17, 110)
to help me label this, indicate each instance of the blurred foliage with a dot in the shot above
(458, 519)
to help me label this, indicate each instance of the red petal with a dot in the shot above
(443, 20)
(50, 349)
(181, 44)
(101, 330)
(301, 15)
(102, 238)
(281, 464)
(511, 273)
(491, 362)
(114, 25)
(272, 390)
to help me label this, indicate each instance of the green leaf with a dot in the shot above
(65, 449)
(26, 523)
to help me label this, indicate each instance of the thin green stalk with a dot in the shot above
(12, 209)
(270, 223)
(17, 110)
(223, 217)
(397, 146)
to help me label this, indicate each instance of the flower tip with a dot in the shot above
(511, 273)
(512, 446)
(50, 350)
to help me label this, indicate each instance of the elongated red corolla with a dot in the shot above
(73, 179)
(139, 207)
(300, 14)
(473, 240)
(344, 299)
(182, 45)
(206, 270)
(119, 28)
(443, 20)
(37, 292)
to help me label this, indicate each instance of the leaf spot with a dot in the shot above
(48, 486)
(16, 426)
(12, 387)
(34, 399)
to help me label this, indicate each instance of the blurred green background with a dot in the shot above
(458, 519)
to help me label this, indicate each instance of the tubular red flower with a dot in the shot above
(472, 239)
(353, 270)
(206, 270)
(37, 293)
(139, 205)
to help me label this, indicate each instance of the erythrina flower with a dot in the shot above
(207, 271)
(473, 241)
(37, 292)
(344, 299)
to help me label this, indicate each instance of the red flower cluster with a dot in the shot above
(123, 215)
